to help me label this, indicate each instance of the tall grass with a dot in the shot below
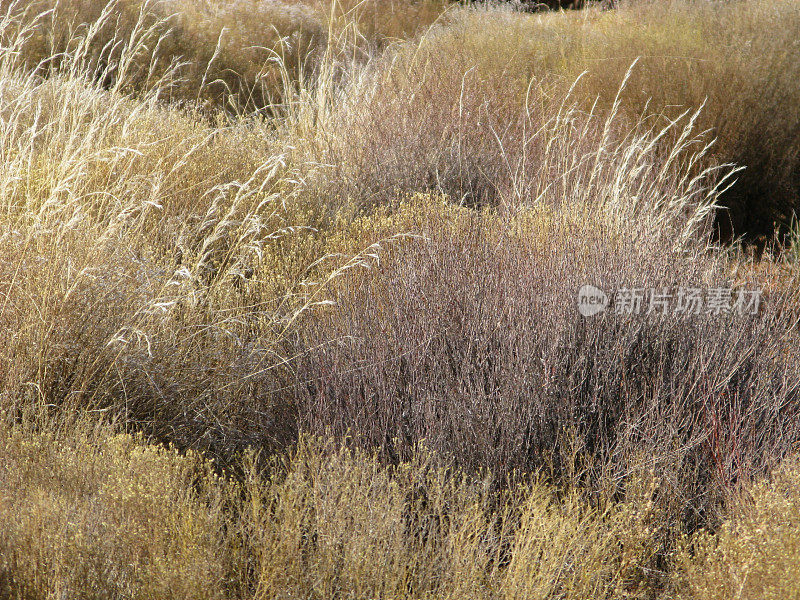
(229, 55)
(129, 231)
(236, 55)
(735, 59)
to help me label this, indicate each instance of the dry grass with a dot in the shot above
(258, 55)
(755, 554)
(387, 259)
(230, 55)
(736, 59)
(129, 233)
(89, 514)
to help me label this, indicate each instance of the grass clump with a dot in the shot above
(755, 554)
(337, 522)
(734, 59)
(91, 514)
(237, 56)
(222, 55)
(137, 228)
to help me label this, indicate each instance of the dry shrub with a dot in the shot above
(565, 548)
(334, 522)
(745, 74)
(467, 337)
(755, 554)
(93, 514)
(338, 522)
(89, 514)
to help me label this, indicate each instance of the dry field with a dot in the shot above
(289, 300)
